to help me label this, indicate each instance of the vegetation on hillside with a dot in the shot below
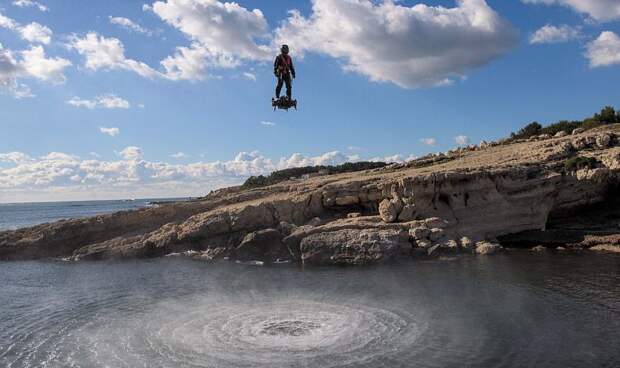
(608, 115)
(580, 162)
(296, 172)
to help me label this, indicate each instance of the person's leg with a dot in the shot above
(279, 87)
(289, 87)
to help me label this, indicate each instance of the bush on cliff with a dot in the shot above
(296, 172)
(580, 162)
(608, 115)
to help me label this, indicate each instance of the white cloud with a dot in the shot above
(188, 63)
(225, 29)
(108, 101)
(129, 24)
(108, 54)
(8, 23)
(32, 64)
(429, 141)
(462, 140)
(36, 33)
(112, 132)
(178, 155)
(131, 153)
(14, 157)
(267, 123)
(410, 46)
(602, 10)
(30, 3)
(33, 32)
(554, 34)
(604, 51)
(61, 176)
(37, 65)
(250, 76)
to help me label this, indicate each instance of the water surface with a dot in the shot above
(504, 311)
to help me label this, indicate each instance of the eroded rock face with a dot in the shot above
(355, 247)
(264, 245)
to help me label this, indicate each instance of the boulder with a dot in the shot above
(264, 245)
(354, 215)
(578, 131)
(316, 221)
(603, 140)
(467, 243)
(560, 134)
(389, 209)
(354, 247)
(539, 248)
(487, 248)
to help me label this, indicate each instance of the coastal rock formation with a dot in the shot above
(462, 201)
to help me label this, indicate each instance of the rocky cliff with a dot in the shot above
(470, 200)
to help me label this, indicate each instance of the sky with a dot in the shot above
(140, 99)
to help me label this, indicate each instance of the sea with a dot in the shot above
(18, 215)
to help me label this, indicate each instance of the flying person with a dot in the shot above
(283, 69)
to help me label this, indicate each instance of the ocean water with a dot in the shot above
(518, 310)
(18, 215)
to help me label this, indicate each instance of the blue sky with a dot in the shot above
(123, 98)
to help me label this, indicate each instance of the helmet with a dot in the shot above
(284, 49)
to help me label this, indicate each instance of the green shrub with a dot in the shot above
(608, 115)
(579, 162)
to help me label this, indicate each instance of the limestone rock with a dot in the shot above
(578, 131)
(436, 222)
(603, 140)
(467, 243)
(560, 134)
(486, 248)
(354, 247)
(389, 209)
(436, 234)
(407, 213)
(264, 245)
(539, 248)
(420, 233)
(354, 215)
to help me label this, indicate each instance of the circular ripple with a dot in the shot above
(273, 334)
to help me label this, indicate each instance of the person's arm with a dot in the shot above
(275, 66)
(292, 68)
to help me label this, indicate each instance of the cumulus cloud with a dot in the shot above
(32, 32)
(36, 33)
(112, 132)
(30, 3)
(131, 153)
(14, 157)
(554, 34)
(462, 140)
(107, 54)
(602, 10)
(429, 141)
(129, 24)
(410, 46)
(28, 64)
(226, 29)
(604, 51)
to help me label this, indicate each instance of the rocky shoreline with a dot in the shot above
(474, 200)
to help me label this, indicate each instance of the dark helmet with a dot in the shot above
(284, 49)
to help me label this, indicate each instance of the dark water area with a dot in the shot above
(17, 215)
(517, 310)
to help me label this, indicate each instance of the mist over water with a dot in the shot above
(505, 311)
